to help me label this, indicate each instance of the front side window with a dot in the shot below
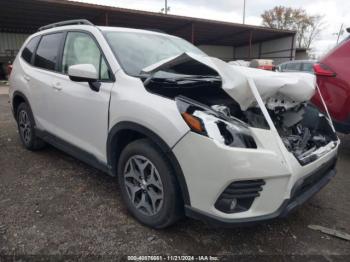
(136, 51)
(80, 48)
(46, 56)
(28, 51)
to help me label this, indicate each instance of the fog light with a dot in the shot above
(239, 196)
(233, 204)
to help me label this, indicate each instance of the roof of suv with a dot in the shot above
(82, 23)
(132, 30)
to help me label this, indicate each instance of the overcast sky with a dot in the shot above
(335, 12)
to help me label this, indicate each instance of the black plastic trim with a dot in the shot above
(20, 94)
(157, 140)
(72, 150)
(286, 208)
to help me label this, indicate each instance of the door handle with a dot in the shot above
(57, 86)
(27, 78)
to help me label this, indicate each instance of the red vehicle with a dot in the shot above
(9, 69)
(333, 78)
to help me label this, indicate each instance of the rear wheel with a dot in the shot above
(148, 185)
(26, 130)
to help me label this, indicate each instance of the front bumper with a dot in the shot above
(303, 190)
(210, 167)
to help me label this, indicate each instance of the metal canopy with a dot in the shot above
(26, 16)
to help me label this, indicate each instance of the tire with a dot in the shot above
(26, 128)
(168, 205)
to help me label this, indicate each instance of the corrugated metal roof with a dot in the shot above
(28, 15)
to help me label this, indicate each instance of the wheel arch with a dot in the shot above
(125, 132)
(18, 98)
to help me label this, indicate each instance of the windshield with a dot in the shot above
(136, 51)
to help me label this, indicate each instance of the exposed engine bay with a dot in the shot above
(303, 130)
(198, 88)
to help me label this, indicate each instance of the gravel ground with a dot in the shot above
(53, 204)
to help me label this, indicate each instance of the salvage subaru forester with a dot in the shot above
(184, 132)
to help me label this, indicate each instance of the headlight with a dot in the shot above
(215, 124)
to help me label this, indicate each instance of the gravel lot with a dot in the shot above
(51, 203)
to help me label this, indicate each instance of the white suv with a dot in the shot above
(185, 133)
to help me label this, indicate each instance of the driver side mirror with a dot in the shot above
(85, 73)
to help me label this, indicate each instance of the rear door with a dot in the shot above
(81, 115)
(41, 77)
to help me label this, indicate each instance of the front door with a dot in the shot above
(81, 114)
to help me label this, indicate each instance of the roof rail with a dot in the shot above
(68, 22)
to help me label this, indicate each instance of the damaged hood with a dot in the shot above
(275, 89)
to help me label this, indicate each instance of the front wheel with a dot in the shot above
(148, 185)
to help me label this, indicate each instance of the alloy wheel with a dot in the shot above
(143, 185)
(24, 126)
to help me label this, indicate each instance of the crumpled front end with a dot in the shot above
(258, 98)
(255, 137)
(244, 185)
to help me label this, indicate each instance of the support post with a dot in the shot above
(106, 19)
(260, 48)
(244, 11)
(292, 48)
(250, 43)
(193, 33)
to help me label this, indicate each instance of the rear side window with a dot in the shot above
(307, 67)
(80, 48)
(293, 67)
(46, 56)
(283, 67)
(28, 51)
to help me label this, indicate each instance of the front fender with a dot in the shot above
(130, 102)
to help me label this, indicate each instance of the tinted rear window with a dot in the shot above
(47, 53)
(28, 51)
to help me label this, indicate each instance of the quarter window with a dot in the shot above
(80, 48)
(47, 54)
(28, 51)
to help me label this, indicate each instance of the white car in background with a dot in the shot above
(239, 63)
(185, 133)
